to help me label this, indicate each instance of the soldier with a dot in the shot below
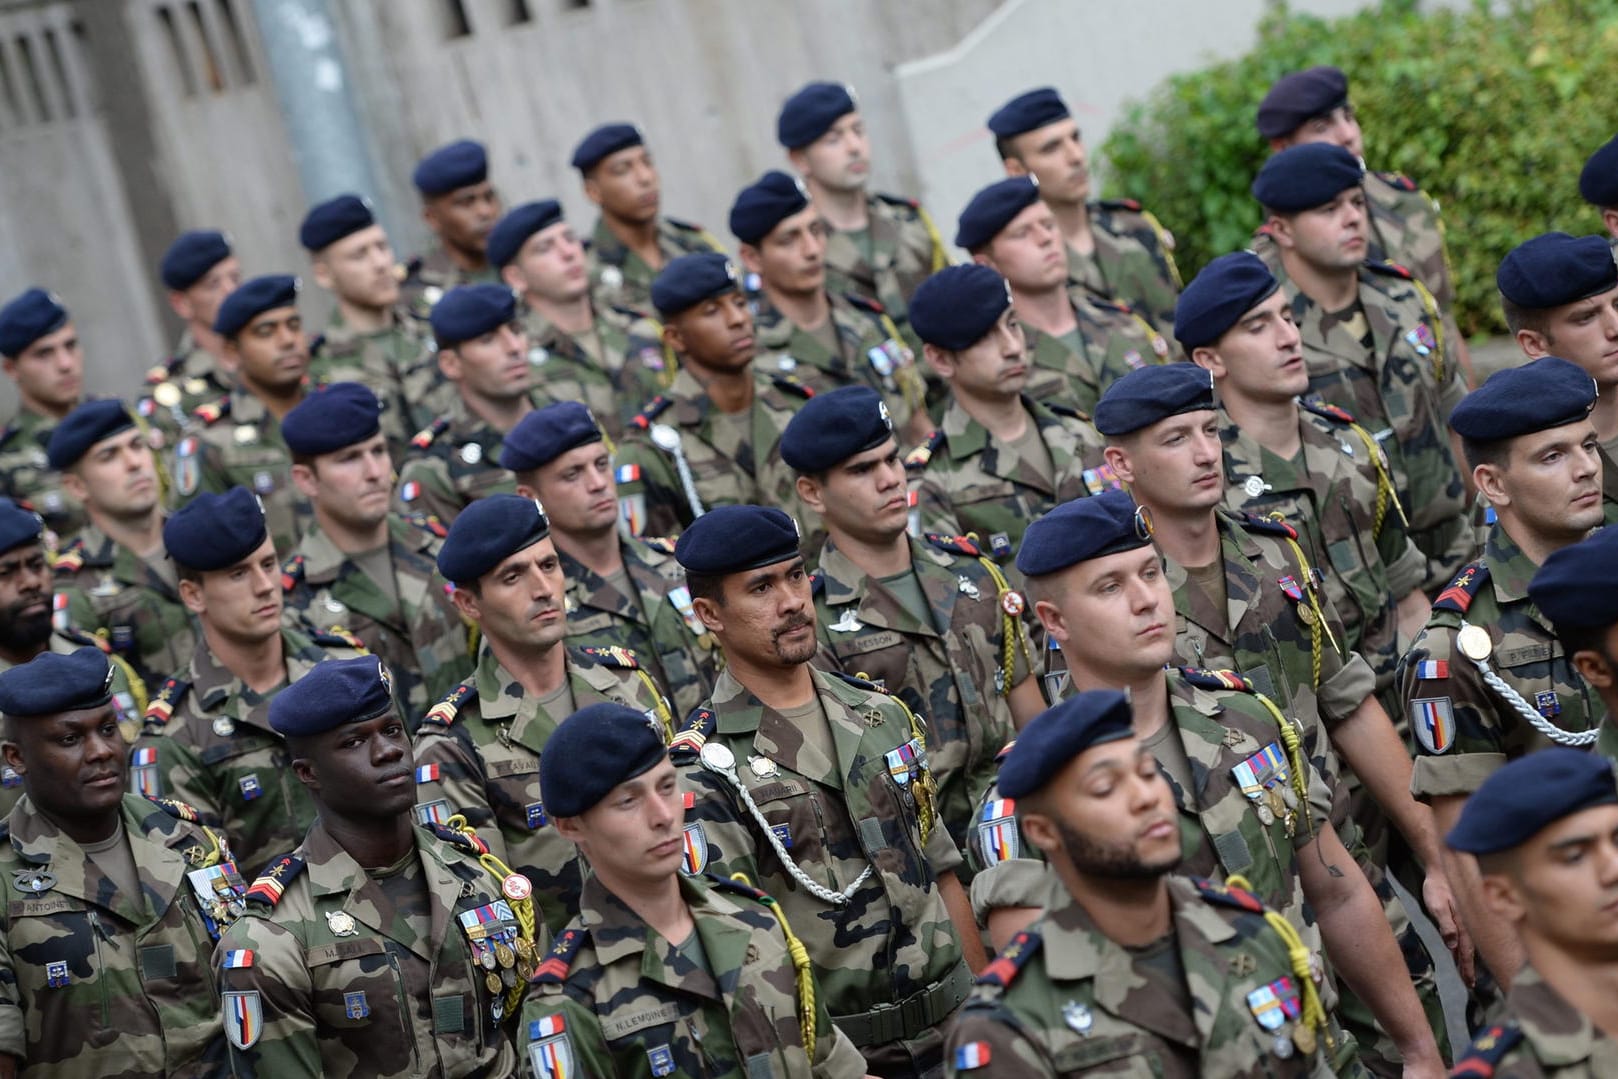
(824, 339)
(712, 438)
(207, 738)
(236, 441)
(40, 353)
(1598, 183)
(621, 590)
(1128, 968)
(881, 246)
(1372, 341)
(369, 336)
(632, 240)
(1542, 830)
(363, 950)
(608, 358)
(199, 270)
(478, 750)
(460, 207)
(113, 576)
(113, 900)
(484, 354)
(360, 568)
(1573, 591)
(931, 620)
(1078, 342)
(834, 813)
(1114, 247)
(999, 458)
(1487, 651)
(659, 973)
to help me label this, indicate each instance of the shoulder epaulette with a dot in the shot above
(686, 225)
(1398, 179)
(1458, 594)
(1267, 525)
(560, 958)
(291, 573)
(428, 523)
(1005, 750)
(654, 408)
(1005, 967)
(817, 584)
(1389, 269)
(316, 343)
(1330, 412)
(899, 200)
(176, 808)
(1486, 1052)
(467, 841)
(688, 743)
(615, 655)
(338, 637)
(918, 457)
(735, 887)
(857, 682)
(426, 436)
(1206, 678)
(660, 544)
(278, 873)
(865, 303)
(1067, 411)
(1225, 896)
(953, 544)
(83, 639)
(1132, 205)
(71, 558)
(447, 709)
(212, 412)
(788, 384)
(168, 698)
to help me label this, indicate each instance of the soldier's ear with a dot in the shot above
(11, 753)
(568, 828)
(750, 258)
(592, 190)
(513, 277)
(940, 360)
(74, 485)
(303, 478)
(1610, 219)
(1593, 668)
(191, 596)
(466, 601)
(1050, 616)
(710, 613)
(1118, 461)
(449, 363)
(1210, 361)
(809, 494)
(1280, 229)
(799, 160)
(1014, 166)
(1486, 478)
(305, 773)
(1502, 897)
(672, 336)
(321, 271)
(229, 357)
(1041, 831)
(1533, 344)
(180, 304)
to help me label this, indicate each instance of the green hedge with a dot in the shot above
(1493, 114)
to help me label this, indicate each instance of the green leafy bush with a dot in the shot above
(1493, 113)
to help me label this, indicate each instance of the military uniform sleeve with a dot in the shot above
(425, 487)
(550, 1016)
(1017, 882)
(986, 1041)
(451, 780)
(181, 775)
(268, 1004)
(13, 1023)
(1345, 681)
(732, 845)
(1407, 566)
(942, 853)
(650, 499)
(934, 510)
(1454, 718)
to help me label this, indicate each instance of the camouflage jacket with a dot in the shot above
(617, 999)
(236, 440)
(1063, 1000)
(95, 982)
(326, 975)
(965, 482)
(1402, 388)
(427, 277)
(452, 462)
(1464, 729)
(423, 639)
(392, 361)
(176, 387)
(904, 250)
(611, 369)
(26, 476)
(652, 496)
(1539, 1036)
(658, 623)
(1113, 341)
(621, 278)
(477, 755)
(110, 591)
(1133, 261)
(208, 742)
(853, 826)
(950, 668)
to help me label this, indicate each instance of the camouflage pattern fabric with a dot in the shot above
(179, 385)
(388, 361)
(452, 462)
(427, 277)
(1133, 262)
(611, 369)
(621, 278)
(237, 441)
(26, 476)
(1539, 1035)
(1113, 341)
(904, 250)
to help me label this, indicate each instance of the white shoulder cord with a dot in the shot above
(669, 439)
(1528, 712)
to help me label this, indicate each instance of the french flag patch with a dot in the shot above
(971, 1055)
(1432, 669)
(427, 773)
(627, 473)
(410, 491)
(238, 958)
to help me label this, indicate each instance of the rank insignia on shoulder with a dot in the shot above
(918, 457)
(1005, 967)
(1391, 269)
(1226, 896)
(615, 655)
(560, 960)
(291, 572)
(1329, 411)
(271, 883)
(1486, 1052)
(429, 434)
(688, 743)
(1457, 596)
(961, 545)
(1204, 678)
(446, 710)
(654, 408)
(1268, 525)
(1398, 180)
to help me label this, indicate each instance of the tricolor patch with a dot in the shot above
(627, 474)
(549, 1051)
(696, 850)
(410, 491)
(244, 1018)
(1433, 720)
(237, 959)
(427, 773)
(1432, 669)
(997, 835)
(971, 1055)
(59, 619)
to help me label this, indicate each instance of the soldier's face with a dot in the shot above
(1562, 892)
(519, 603)
(768, 617)
(352, 485)
(463, 218)
(25, 600)
(792, 258)
(200, 303)
(865, 496)
(994, 368)
(578, 492)
(494, 366)
(1114, 616)
(117, 476)
(1030, 252)
(1551, 482)
(72, 763)
(626, 185)
(717, 333)
(50, 372)
(1340, 127)
(1110, 814)
(1175, 465)
(1054, 155)
(362, 771)
(241, 603)
(839, 160)
(1585, 333)
(635, 834)
(1261, 357)
(1329, 237)
(271, 352)
(550, 265)
(359, 268)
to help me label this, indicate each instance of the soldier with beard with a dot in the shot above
(460, 207)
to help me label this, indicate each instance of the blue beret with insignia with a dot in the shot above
(992, 210)
(544, 434)
(467, 312)
(1028, 112)
(28, 318)
(331, 418)
(84, 427)
(1149, 394)
(1217, 298)
(1305, 176)
(488, 532)
(334, 693)
(834, 426)
(18, 526)
(809, 113)
(592, 751)
(1576, 587)
(213, 532)
(1598, 181)
(513, 230)
(1544, 393)
(1300, 96)
(957, 306)
(1060, 733)
(192, 255)
(330, 221)
(462, 163)
(52, 683)
(604, 141)
(1085, 528)
(690, 279)
(255, 296)
(765, 204)
(1528, 794)
(1556, 269)
(731, 539)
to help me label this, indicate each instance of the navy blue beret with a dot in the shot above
(603, 141)
(1544, 393)
(1085, 528)
(955, 307)
(688, 280)
(192, 255)
(1529, 794)
(28, 318)
(992, 210)
(18, 526)
(1149, 394)
(213, 532)
(809, 113)
(1060, 733)
(255, 296)
(544, 434)
(765, 204)
(469, 311)
(1575, 587)
(450, 168)
(1555, 269)
(1305, 176)
(488, 532)
(1300, 96)
(731, 539)
(833, 427)
(330, 418)
(1028, 112)
(52, 683)
(1598, 181)
(84, 427)
(513, 230)
(333, 693)
(330, 221)
(618, 743)
(1217, 298)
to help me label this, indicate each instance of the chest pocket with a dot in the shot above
(359, 986)
(885, 813)
(1123, 1056)
(514, 786)
(990, 491)
(63, 955)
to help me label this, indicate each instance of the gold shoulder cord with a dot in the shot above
(923, 789)
(664, 716)
(800, 962)
(1165, 245)
(1310, 593)
(940, 252)
(1313, 1015)
(523, 908)
(1431, 306)
(1013, 635)
(1384, 482)
(1294, 751)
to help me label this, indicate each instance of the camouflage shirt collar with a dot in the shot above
(1510, 569)
(847, 583)
(1074, 949)
(96, 548)
(1559, 1035)
(245, 407)
(217, 687)
(38, 840)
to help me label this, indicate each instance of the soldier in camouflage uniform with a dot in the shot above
(199, 270)
(207, 738)
(112, 902)
(659, 973)
(478, 750)
(999, 459)
(40, 353)
(621, 590)
(113, 576)
(375, 948)
(360, 568)
(712, 438)
(1372, 341)
(460, 207)
(1573, 591)
(835, 810)
(1129, 970)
